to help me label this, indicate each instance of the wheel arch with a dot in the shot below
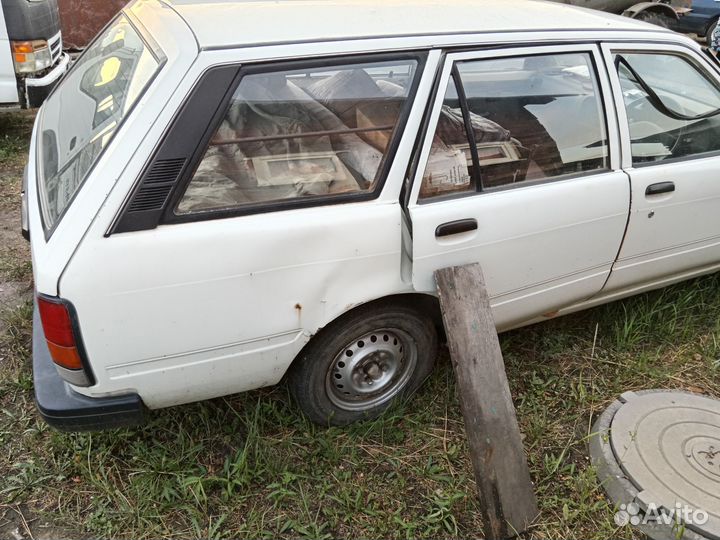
(651, 7)
(423, 303)
(711, 22)
(308, 377)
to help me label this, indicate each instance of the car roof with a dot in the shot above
(230, 23)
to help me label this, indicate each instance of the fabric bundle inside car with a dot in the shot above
(447, 169)
(306, 137)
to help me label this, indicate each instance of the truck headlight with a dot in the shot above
(31, 56)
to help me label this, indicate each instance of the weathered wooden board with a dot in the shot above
(501, 471)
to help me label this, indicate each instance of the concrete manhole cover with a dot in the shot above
(705, 452)
(658, 457)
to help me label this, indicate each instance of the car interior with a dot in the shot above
(299, 134)
(668, 117)
(289, 135)
(519, 109)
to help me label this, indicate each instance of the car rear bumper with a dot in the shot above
(65, 409)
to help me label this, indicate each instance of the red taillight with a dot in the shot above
(59, 334)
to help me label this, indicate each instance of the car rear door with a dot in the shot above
(667, 97)
(520, 171)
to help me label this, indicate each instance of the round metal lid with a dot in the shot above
(667, 446)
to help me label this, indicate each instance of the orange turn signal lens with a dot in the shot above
(23, 47)
(66, 357)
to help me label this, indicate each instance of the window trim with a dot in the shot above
(415, 158)
(456, 78)
(654, 99)
(605, 95)
(510, 187)
(609, 49)
(212, 85)
(169, 215)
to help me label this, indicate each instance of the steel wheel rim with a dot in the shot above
(371, 370)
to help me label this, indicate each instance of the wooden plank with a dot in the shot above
(503, 480)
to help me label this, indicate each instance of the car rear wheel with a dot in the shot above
(357, 367)
(709, 33)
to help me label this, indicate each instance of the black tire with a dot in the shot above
(332, 378)
(657, 19)
(709, 33)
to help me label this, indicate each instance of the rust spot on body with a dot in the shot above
(551, 314)
(298, 306)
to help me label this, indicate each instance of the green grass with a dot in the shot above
(13, 267)
(252, 466)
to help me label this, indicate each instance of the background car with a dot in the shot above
(701, 20)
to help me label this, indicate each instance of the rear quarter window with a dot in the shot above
(302, 134)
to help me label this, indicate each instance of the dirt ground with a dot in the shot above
(15, 287)
(16, 521)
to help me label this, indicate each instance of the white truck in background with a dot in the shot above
(31, 52)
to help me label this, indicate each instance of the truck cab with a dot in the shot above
(31, 52)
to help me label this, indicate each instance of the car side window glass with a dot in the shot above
(673, 108)
(449, 166)
(521, 119)
(301, 133)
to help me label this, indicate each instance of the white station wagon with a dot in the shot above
(222, 194)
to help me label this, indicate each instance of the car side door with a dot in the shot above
(668, 100)
(520, 172)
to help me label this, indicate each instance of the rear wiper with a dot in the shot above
(654, 99)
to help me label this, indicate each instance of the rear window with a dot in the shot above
(80, 119)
